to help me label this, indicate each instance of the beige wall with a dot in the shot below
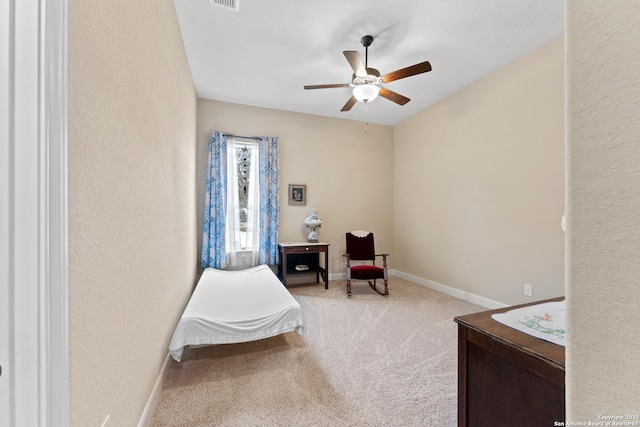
(132, 221)
(348, 172)
(603, 198)
(479, 184)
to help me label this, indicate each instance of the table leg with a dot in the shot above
(326, 269)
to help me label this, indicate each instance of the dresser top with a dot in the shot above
(483, 323)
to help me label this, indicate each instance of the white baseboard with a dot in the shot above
(457, 293)
(337, 276)
(152, 403)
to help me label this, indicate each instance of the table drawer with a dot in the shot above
(306, 249)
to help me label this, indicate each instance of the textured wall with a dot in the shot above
(132, 225)
(479, 184)
(603, 235)
(348, 172)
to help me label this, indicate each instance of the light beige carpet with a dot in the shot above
(367, 360)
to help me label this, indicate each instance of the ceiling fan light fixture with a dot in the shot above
(366, 92)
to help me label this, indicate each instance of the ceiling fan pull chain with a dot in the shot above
(366, 120)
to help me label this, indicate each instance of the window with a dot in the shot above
(243, 168)
(243, 201)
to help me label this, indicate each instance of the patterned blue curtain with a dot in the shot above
(215, 205)
(269, 153)
(215, 213)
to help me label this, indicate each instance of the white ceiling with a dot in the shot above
(264, 54)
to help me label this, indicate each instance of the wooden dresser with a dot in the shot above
(506, 377)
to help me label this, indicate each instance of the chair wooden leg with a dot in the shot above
(348, 287)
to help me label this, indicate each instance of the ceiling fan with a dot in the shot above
(367, 82)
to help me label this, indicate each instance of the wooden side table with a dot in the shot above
(507, 377)
(298, 254)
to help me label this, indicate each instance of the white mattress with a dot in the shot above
(236, 306)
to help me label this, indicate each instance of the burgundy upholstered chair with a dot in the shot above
(361, 247)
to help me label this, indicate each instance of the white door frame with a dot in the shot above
(34, 385)
(5, 217)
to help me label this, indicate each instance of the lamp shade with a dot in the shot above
(366, 92)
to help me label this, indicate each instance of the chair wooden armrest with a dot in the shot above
(384, 260)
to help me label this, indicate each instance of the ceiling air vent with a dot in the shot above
(227, 4)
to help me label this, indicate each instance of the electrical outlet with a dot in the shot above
(528, 290)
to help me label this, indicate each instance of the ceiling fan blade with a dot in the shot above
(326, 86)
(356, 62)
(393, 96)
(349, 104)
(420, 68)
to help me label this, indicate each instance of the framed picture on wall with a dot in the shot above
(297, 195)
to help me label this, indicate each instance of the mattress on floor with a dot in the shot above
(236, 306)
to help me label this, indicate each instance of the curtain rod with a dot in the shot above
(241, 137)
